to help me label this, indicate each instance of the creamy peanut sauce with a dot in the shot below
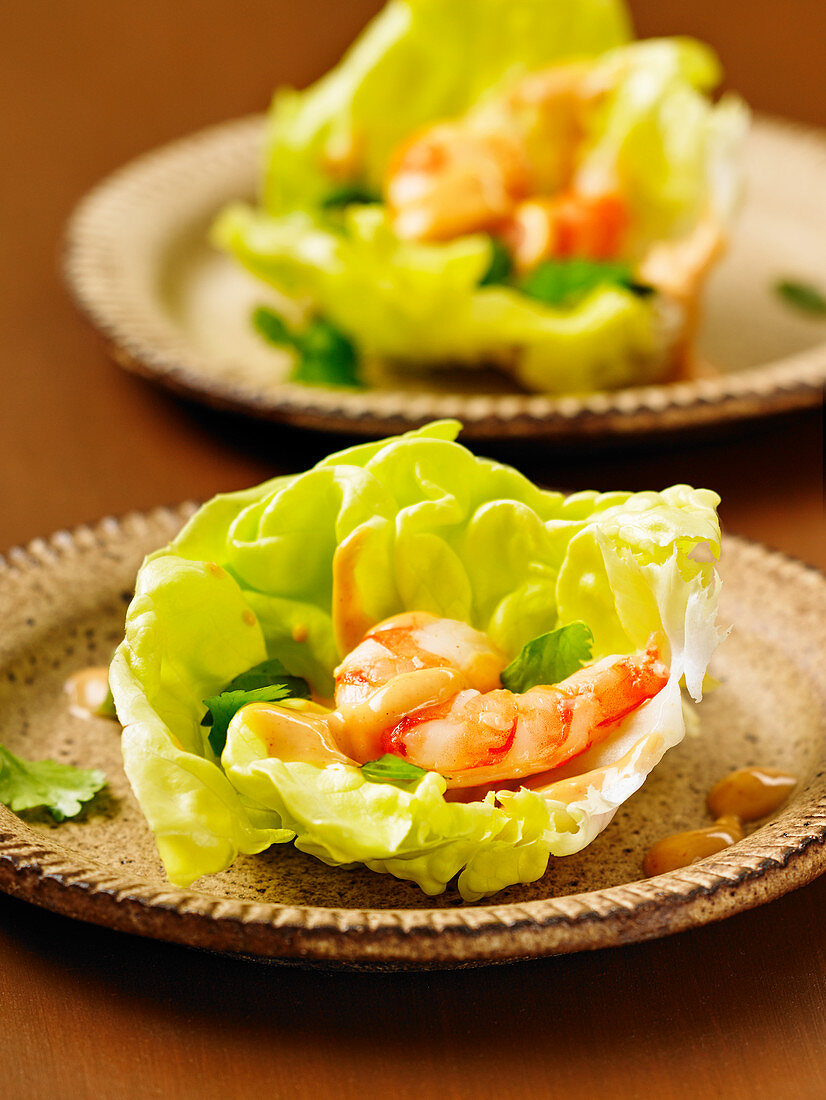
(301, 736)
(87, 691)
(680, 850)
(350, 621)
(751, 793)
(745, 795)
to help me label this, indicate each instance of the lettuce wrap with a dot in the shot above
(648, 133)
(299, 567)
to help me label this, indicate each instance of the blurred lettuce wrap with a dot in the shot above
(417, 61)
(299, 567)
(643, 132)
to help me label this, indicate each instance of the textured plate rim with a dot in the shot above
(144, 342)
(779, 857)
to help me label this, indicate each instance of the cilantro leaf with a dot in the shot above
(267, 673)
(348, 194)
(268, 324)
(221, 709)
(500, 267)
(391, 769)
(324, 355)
(550, 658)
(803, 296)
(327, 357)
(267, 682)
(564, 282)
(60, 788)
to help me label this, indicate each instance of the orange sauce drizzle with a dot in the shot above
(87, 690)
(744, 795)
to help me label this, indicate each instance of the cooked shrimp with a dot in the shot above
(481, 737)
(469, 174)
(429, 690)
(450, 180)
(410, 661)
(413, 641)
(566, 225)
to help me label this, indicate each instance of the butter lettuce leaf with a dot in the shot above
(660, 141)
(406, 301)
(651, 134)
(298, 568)
(450, 51)
(338, 815)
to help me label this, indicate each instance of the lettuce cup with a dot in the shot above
(414, 659)
(511, 183)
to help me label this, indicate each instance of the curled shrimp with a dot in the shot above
(407, 662)
(476, 172)
(568, 224)
(483, 737)
(452, 179)
(429, 690)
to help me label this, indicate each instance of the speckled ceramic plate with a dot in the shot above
(175, 310)
(62, 603)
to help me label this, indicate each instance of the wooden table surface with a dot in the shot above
(732, 1010)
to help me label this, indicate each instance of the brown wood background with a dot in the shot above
(735, 1010)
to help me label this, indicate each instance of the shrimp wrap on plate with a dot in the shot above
(508, 183)
(415, 659)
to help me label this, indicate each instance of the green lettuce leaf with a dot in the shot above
(450, 51)
(652, 134)
(413, 522)
(550, 658)
(657, 138)
(338, 815)
(60, 788)
(402, 300)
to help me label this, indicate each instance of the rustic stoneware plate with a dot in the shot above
(175, 310)
(62, 603)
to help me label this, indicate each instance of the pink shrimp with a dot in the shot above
(429, 690)
(476, 738)
(470, 173)
(449, 179)
(412, 641)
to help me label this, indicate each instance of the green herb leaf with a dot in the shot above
(550, 658)
(267, 674)
(564, 282)
(391, 769)
(348, 194)
(223, 708)
(802, 296)
(500, 267)
(267, 682)
(60, 788)
(325, 357)
(268, 324)
(328, 358)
